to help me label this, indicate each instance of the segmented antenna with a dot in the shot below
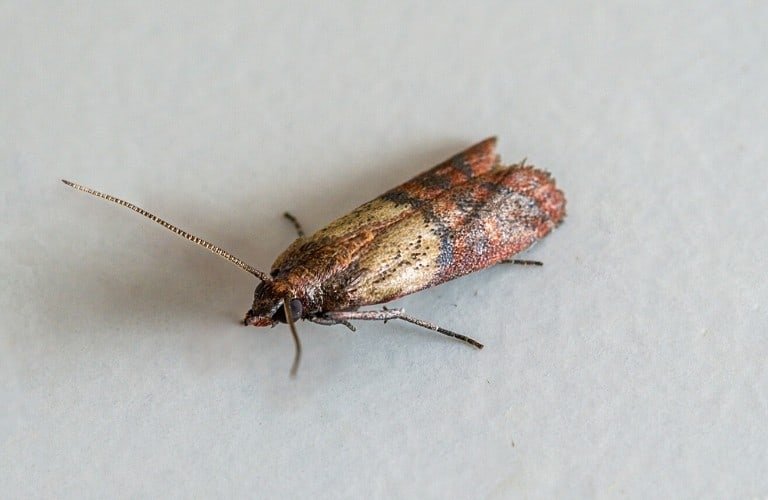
(194, 239)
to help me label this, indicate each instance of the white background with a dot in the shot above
(632, 364)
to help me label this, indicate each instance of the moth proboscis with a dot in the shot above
(465, 214)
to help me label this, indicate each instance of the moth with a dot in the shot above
(465, 214)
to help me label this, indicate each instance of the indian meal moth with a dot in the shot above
(465, 214)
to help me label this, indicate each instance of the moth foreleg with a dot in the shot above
(389, 314)
(523, 262)
(295, 223)
(320, 320)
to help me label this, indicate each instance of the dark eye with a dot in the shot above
(296, 310)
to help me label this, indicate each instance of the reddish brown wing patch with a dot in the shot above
(494, 217)
(457, 170)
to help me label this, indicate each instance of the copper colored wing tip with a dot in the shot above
(488, 143)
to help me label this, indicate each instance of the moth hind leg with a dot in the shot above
(523, 262)
(296, 224)
(390, 314)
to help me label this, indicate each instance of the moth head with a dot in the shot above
(273, 303)
(268, 307)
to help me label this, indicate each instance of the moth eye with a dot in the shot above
(296, 308)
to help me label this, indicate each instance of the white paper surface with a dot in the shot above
(633, 364)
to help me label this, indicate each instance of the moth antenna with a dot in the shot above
(292, 324)
(194, 239)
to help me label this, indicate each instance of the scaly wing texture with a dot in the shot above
(345, 236)
(381, 212)
(465, 214)
(473, 225)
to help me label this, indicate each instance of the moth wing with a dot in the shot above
(385, 209)
(351, 230)
(475, 225)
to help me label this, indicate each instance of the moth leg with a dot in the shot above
(389, 314)
(333, 322)
(523, 262)
(295, 223)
